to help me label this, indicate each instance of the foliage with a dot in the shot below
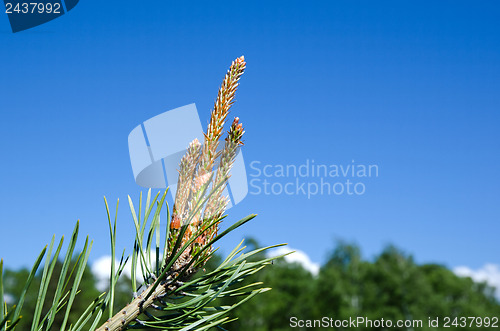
(392, 286)
(346, 286)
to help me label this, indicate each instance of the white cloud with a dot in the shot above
(101, 269)
(298, 256)
(489, 273)
(9, 299)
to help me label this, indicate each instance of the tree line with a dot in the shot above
(391, 287)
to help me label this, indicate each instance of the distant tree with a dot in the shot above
(455, 296)
(398, 288)
(339, 285)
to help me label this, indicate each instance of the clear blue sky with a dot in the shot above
(410, 86)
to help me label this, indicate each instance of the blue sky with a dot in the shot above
(410, 87)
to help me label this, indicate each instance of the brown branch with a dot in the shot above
(132, 311)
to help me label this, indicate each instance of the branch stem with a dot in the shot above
(130, 313)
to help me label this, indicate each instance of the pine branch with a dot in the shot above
(189, 237)
(224, 101)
